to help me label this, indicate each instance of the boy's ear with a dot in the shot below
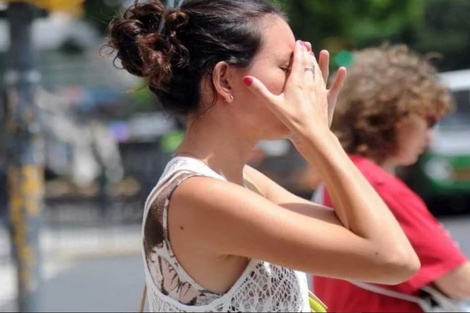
(221, 81)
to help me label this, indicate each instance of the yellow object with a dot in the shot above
(316, 305)
(74, 7)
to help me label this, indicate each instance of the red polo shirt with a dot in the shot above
(438, 253)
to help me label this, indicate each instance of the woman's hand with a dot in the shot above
(302, 106)
(306, 105)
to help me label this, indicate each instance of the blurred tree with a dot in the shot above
(347, 24)
(445, 29)
(100, 12)
(339, 25)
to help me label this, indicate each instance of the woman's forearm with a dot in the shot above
(356, 203)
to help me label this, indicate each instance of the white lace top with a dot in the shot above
(262, 287)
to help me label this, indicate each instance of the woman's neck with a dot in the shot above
(389, 166)
(218, 149)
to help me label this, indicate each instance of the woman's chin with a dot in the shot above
(409, 161)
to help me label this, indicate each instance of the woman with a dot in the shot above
(384, 119)
(217, 234)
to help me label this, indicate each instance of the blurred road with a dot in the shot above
(84, 270)
(97, 270)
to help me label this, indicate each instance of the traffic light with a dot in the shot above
(74, 7)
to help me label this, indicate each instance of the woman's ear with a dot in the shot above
(221, 81)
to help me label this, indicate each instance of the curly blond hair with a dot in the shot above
(384, 85)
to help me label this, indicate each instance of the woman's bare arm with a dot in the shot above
(455, 284)
(357, 205)
(243, 223)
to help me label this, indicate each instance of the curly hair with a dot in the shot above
(384, 85)
(194, 38)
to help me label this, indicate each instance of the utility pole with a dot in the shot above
(25, 173)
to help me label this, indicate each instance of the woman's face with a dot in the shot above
(271, 66)
(414, 134)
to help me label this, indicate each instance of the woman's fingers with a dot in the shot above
(305, 95)
(273, 102)
(259, 89)
(301, 61)
(334, 92)
(324, 62)
(308, 45)
(338, 82)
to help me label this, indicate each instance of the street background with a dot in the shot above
(84, 144)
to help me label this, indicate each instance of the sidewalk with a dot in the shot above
(59, 243)
(63, 248)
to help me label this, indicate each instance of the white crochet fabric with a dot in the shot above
(262, 287)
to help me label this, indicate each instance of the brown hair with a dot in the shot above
(195, 37)
(384, 85)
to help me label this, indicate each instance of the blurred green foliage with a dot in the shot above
(425, 25)
(445, 29)
(347, 24)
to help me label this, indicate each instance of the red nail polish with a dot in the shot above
(248, 81)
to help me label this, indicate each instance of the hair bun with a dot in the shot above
(175, 20)
(147, 15)
(139, 47)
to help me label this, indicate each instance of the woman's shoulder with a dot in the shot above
(177, 170)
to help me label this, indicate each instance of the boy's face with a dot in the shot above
(414, 134)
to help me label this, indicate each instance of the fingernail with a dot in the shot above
(248, 80)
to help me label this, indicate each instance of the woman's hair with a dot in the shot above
(194, 38)
(384, 85)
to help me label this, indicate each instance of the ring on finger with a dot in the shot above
(310, 69)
